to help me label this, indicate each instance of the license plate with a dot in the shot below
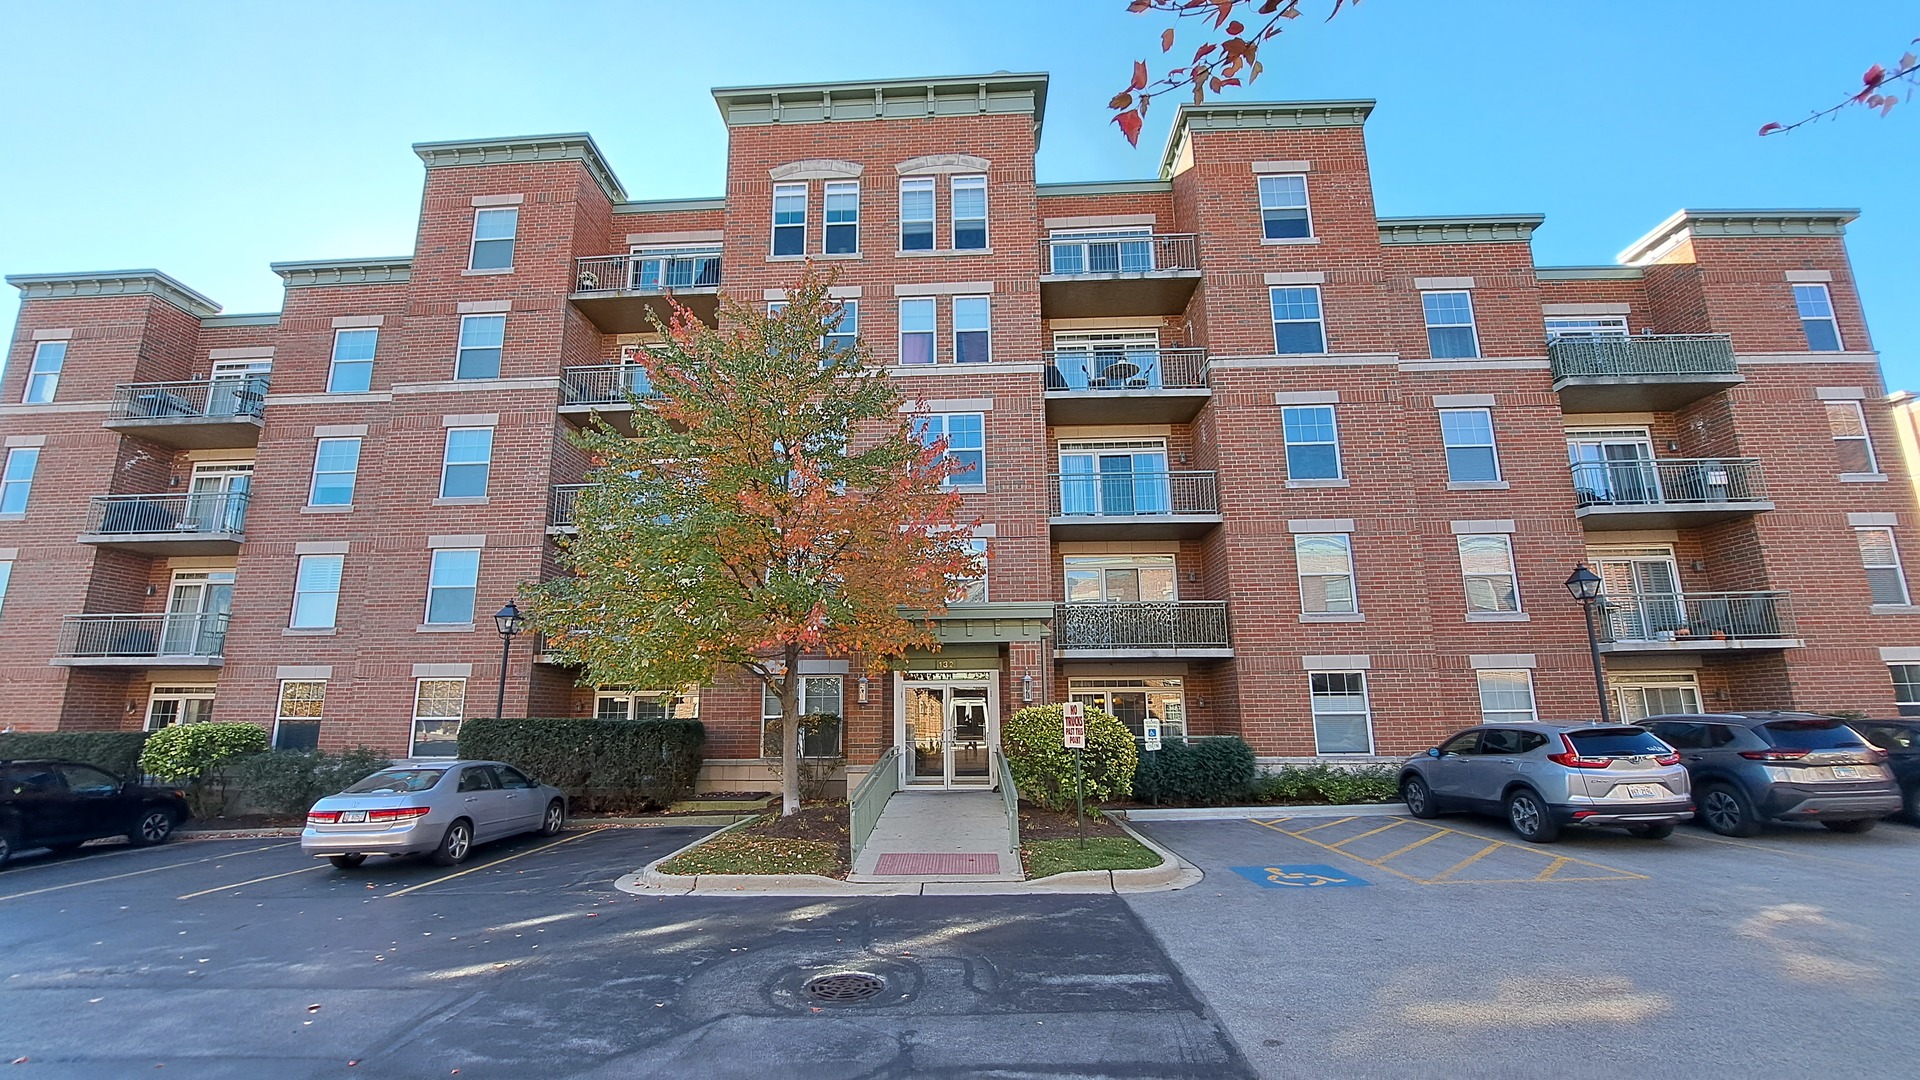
(1645, 791)
(1848, 772)
(349, 817)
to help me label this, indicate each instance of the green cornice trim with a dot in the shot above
(379, 271)
(1736, 223)
(1225, 116)
(573, 146)
(885, 99)
(1588, 273)
(266, 318)
(1460, 229)
(113, 283)
(668, 206)
(1105, 187)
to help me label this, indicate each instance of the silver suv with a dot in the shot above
(1543, 777)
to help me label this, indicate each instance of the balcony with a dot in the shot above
(1182, 628)
(624, 294)
(1133, 506)
(1696, 622)
(560, 503)
(603, 389)
(203, 524)
(1648, 373)
(1125, 385)
(203, 414)
(142, 641)
(1094, 276)
(1670, 493)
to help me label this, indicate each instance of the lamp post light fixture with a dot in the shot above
(1584, 585)
(507, 620)
(863, 689)
(1026, 688)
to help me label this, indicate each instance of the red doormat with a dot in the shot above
(942, 863)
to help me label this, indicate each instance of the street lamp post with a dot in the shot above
(507, 620)
(1585, 587)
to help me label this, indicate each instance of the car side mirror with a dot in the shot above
(1433, 752)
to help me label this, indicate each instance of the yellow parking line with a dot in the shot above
(243, 884)
(1550, 874)
(1469, 860)
(496, 862)
(137, 873)
(1427, 839)
(1376, 864)
(1552, 868)
(1327, 825)
(1369, 832)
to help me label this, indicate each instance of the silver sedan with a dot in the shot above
(441, 808)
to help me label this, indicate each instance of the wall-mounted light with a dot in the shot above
(1673, 447)
(150, 590)
(863, 689)
(1699, 565)
(132, 706)
(1193, 575)
(1026, 688)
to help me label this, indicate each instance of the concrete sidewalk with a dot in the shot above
(958, 836)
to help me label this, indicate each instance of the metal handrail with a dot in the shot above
(1667, 481)
(869, 799)
(1134, 494)
(1195, 624)
(1641, 617)
(1118, 254)
(561, 503)
(218, 512)
(157, 635)
(1121, 368)
(1011, 795)
(206, 399)
(1645, 354)
(648, 271)
(604, 384)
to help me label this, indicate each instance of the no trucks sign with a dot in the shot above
(1074, 713)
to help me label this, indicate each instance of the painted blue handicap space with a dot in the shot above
(1297, 876)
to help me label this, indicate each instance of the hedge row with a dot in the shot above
(1214, 771)
(118, 752)
(602, 765)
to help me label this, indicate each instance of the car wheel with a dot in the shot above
(1853, 825)
(1419, 798)
(1530, 818)
(1726, 811)
(347, 862)
(153, 826)
(1652, 832)
(555, 819)
(455, 846)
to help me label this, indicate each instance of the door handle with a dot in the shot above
(473, 798)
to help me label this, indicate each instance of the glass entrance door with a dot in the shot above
(950, 733)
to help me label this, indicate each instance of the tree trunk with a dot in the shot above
(790, 734)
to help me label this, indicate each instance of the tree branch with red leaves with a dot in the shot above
(1878, 91)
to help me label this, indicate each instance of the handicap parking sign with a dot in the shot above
(1298, 876)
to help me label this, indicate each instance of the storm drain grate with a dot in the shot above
(844, 987)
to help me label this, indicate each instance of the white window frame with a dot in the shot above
(413, 731)
(1098, 692)
(770, 711)
(1893, 545)
(978, 477)
(1643, 681)
(827, 191)
(968, 180)
(1865, 438)
(19, 477)
(839, 339)
(932, 333)
(1832, 316)
(1909, 685)
(930, 186)
(352, 475)
(680, 699)
(334, 362)
(461, 347)
(6, 578)
(976, 580)
(1345, 542)
(1472, 324)
(1582, 326)
(1305, 205)
(1319, 305)
(447, 462)
(511, 240)
(1488, 716)
(179, 693)
(1466, 578)
(1366, 700)
(986, 328)
(1339, 462)
(1492, 446)
(1104, 564)
(281, 715)
(40, 371)
(302, 588)
(773, 219)
(433, 571)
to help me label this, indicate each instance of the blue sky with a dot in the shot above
(210, 139)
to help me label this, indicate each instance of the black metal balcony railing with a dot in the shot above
(1667, 482)
(207, 399)
(603, 384)
(1180, 624)
(560, 504)
(1645, 355)
(1121, 369)
(648, 271)
(1135, 494)
(211, 513)
(159, 636)
(1729, 616)
(1123, 254)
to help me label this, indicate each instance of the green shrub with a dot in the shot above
(118, 752)
(1043, 766)
(1213, 771)
(1333, 784)
(291, 781)
(602, 765)
(197, 754)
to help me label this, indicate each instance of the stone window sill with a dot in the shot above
(444, 628)
(936, 253)
(1896, 609)
(1863, 478)
(309, 631)
(489, 272)
(841, 257)
(1289, 241)
(1332, 616)
(1477, 485)
(1498, 616)
(346, 509)
(1337, 482)
(462, 500)
(21, 516)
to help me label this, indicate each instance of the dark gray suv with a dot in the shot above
(1779, 766)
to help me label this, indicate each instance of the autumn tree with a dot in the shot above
(773, 501)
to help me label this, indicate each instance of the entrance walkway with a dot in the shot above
(943, 836)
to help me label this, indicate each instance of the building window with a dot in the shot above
(297, 724)
(468, 458)
(1486, 562)
(1297, 326)
(1283, 207)
(1134, 701)
(1506, 697)
(916, 213)
(1313, 443)
(1906, 687)
(1656, 695)
(44, 376)
(966, 435)
(843, 327)
(1882, 562)
(452, 581)
(1326, 574)
(819, 696)
(1586, 326)
(679, 266)
(316, 591)
(1851, 443)
(1120, 579)
(438, 705)
(1468, 437)
(916, 331)
(843, 217)
(16, 481)
(971, 344)
(1342, 723)
(1815, 305)
(1450, 333)
(647, 704)
(170, 705)
(335, 464)
(352, 370)
(493, 238)
(969, 195)
(6, 577)
(971, 587)
(789, 219)
(481, 338)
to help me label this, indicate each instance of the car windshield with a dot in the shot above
(397, 780)
(1812, 735)
(1615, 742)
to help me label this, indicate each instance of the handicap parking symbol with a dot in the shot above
(1298, 876)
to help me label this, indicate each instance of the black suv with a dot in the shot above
(1779, 766)
(63, 804)
(1901, 741)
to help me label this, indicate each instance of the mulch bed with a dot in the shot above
(1039, 823)
(814, 840)
(244, 821)
(728, 796)
(825, 822)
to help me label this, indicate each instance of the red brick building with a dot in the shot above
(1252, 459)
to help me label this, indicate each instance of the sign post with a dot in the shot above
(1073, 715)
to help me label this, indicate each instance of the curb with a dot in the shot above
(1244, 813)
(233, 834)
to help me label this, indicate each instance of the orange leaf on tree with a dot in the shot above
(1129, 126)
(1166, 40)
(1139, 74)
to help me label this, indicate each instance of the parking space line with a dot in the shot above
(244, 884)
(137, 873)
(496, 862)
(1369, 832)
(1549, 875)
(1552, 868)
(1376, 864)
(1328, 825)
(1469, 860)
(1397, 852)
